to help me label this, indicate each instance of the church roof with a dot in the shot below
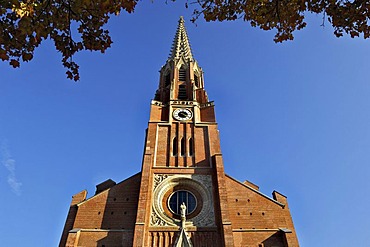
(181, 46)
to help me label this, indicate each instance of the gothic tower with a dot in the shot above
(181, 197)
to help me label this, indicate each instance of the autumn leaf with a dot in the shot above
(69, 74)
(27, 57)
(14, 63)
(3, 56)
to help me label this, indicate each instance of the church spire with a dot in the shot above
(181, 45)
(181, 78)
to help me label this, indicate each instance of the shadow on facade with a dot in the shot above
(119, 215)
(277, 239)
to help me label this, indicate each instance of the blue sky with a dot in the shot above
(293, 117)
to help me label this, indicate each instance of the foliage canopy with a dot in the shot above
(75, 25)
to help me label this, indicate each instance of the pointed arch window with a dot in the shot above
(182, 92)
(196, 80)
(174, 146)
(191, 147)
(167, 79)
(182, 74)
(183, 144)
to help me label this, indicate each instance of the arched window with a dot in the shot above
(167, 79)
(182, 92)
(183, 144)
(179, 197)
(191, 147)
(196, 80)
(182, 74)
(174, 146)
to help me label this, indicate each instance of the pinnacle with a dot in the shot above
(181, 46)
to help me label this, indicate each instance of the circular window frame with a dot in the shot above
(184, 187)
(176, 191)
(199, 185)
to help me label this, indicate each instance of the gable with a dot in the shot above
(112, 208)
(251, 209)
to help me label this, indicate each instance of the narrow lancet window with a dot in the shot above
(183, 144)
(167, 79)
(182, 74)
(174, 146)
(182, 92)
(196, 80)
(191, 147)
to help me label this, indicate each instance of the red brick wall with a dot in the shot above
(113, 210)
(207, 114)
(256, 219)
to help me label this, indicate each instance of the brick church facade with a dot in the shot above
(181, 197)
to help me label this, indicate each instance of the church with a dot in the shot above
(182, 196)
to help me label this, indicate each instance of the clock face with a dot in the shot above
(182, 114)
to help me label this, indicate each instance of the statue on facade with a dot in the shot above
(183, 214)
(183, 239)
(183, 210)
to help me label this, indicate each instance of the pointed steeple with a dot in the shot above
(181, 78)
(181, 45)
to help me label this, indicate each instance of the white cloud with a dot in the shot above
(9, 164)
(14, 184)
